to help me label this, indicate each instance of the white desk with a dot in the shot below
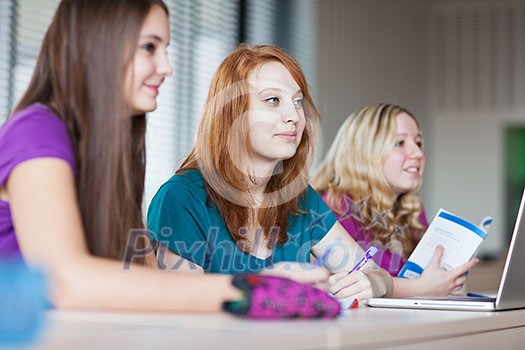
(364, 328)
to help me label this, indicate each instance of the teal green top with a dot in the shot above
(182, 218)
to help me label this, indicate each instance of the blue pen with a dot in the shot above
(368, 255)
(327, 252)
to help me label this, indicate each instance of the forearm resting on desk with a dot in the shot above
(92, 283)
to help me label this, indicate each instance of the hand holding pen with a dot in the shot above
(369, 254)
(337, 287)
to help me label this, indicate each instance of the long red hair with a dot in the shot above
(223, 143)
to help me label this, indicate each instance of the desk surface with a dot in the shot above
(368, 327)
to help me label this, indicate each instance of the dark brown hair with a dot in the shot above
(223, 144)
(79, 74)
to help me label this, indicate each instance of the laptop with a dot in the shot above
(511, 292)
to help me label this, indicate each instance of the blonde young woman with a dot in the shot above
(371, 178)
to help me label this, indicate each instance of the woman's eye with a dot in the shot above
(298, 102)
(400, 143)
(150, 47)
(274, 101)
(419, 144)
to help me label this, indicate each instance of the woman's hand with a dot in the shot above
(300, 272)
(436, 281)
(352, 286)
(361, 285)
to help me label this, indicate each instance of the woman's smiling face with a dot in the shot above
(404, 167)
(150, 64)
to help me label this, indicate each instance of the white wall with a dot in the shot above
(475, 78)
(458, 65)
(369, 51)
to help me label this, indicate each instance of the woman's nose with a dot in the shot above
(290, 114)
(164, 67)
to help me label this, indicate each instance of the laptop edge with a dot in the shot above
(511, 292)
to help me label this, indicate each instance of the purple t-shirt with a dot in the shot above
(385, 258)
(34, 132)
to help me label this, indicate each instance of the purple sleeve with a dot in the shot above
(349, 221)
(34, 132)
(423, 221)
(423, 218)
(385, 258)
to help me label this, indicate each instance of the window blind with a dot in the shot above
(23, 24)
(6, 51)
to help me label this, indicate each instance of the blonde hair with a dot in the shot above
(354, 167)
(223, 146)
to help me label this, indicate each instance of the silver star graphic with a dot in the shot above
(354, 209)
(318, 220)
(293, 239)
(378, 219)
(400, 230)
